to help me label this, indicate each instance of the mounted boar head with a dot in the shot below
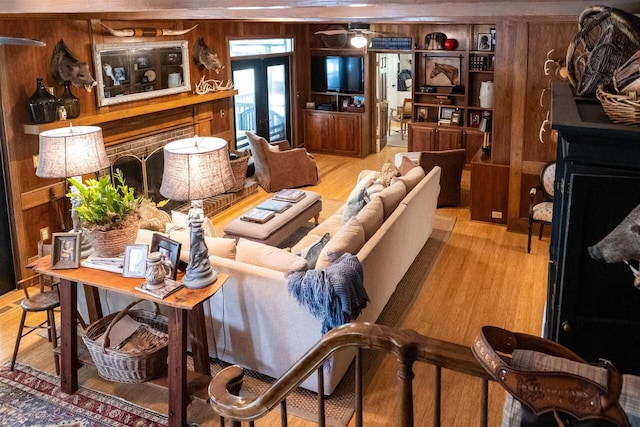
(65, 67)
(206, 57)
(621, 244)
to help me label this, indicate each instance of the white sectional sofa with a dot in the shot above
(254, 322)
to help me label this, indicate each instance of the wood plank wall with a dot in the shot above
(22, 65)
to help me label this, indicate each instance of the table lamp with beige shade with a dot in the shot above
(194, 169)
(72, 152)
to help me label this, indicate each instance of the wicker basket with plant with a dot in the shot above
(108, 212)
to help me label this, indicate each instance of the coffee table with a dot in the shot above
(280, 227)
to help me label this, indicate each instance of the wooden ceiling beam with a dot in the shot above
(310, 10)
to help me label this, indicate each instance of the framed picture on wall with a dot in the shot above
(443, 70)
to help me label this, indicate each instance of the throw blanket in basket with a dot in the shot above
(334, 294)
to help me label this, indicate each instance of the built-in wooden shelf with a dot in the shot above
(97, 118)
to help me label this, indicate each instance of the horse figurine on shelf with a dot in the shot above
(622, 244)
(450, 72)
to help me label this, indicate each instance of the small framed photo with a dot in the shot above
(65, 250)
(484, 41)
(345, 103)
(456, 117)
(446, 113)
(135, 261)
(169, 249)
(422, 114)
(474, 119)
(173, 58)
(119, 75)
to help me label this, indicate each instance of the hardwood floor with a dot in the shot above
(484, 276)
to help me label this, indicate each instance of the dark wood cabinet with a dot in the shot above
(472, 142)
(421, 138)
(425, 136)
(489, 189)
(592, 308)
(449, 139)
(334, 132)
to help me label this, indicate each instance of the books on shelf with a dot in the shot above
(277, 206)
(170, 286)
(259, 216)
(290, 195)
(112, 264)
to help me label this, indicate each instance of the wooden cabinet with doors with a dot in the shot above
(334, 132)
(431, 137)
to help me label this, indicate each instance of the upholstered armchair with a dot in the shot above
(452, 163)
(278, 166)
(542, 212)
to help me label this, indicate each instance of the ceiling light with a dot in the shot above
(359, 41)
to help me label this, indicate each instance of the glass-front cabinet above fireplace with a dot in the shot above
(135, 71)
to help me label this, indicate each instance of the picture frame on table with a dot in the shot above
(65, 250)
(456, 118)
(135, 260)
(169, 249)
(422, 114)
(442, 70)
(484, 41)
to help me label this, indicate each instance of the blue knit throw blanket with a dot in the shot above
(334, 294)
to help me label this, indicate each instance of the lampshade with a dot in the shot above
(71, 151)
(359, 41)
(196, 168)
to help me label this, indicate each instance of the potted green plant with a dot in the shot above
(108, 212)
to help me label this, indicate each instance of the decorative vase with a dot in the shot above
(157, 270)
(43, 107)
(113, 242)
(450, 44)
(486, 94)
(70, 102)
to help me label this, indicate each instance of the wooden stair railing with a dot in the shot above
(407, 345)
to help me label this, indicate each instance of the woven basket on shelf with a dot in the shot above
(239, 168)
(120, 366)
(621, 109)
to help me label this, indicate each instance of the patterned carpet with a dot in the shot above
(29, 397)
(340, 405)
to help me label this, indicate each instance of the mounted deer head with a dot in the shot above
(66, 68)
(205, 57)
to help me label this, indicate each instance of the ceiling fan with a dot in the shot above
(336, 36)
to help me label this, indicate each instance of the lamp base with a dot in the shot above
(199, 279)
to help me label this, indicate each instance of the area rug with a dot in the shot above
(340, 405)
(29, 397)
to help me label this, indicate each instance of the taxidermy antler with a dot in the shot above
(206, 86)
(146, 32)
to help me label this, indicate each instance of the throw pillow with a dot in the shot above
(388, 171)
(182, 220)
(152, 218)
(411, 179)
(357, 199)
(349, 239)
(312, 252)
(262, 255)
(406, 165)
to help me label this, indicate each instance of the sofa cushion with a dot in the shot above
(374, 189)
(371, 217)
(218, 246)
(356, 199)
(411, 178)
(348, 239)
(391, 197)
(330, 225)
(388, 171)
(262, 255)
(311, 252)
(182, 219)
(406, 164)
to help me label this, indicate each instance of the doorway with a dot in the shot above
(262, 105)
(393, 85)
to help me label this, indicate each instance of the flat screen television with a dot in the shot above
(344, 74)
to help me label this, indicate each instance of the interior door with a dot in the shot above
(262, 105)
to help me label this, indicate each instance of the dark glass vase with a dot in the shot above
(70, 102)
(42, 105)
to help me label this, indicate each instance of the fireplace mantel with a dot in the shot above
(153, 106)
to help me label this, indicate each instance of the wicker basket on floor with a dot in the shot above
(124, 367)
(239, 168)
(621, 109)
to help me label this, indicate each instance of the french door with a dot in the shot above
(262, 105)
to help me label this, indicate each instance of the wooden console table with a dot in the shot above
(183, 305)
